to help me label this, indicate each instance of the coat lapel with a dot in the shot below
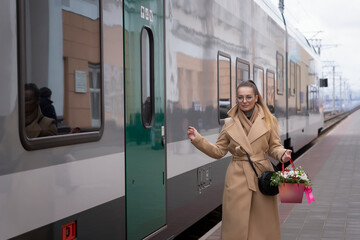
(236, 131)
(258, 128)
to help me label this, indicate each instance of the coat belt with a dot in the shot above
(257, 160)
(254, 158)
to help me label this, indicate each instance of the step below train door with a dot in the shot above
(144, 117)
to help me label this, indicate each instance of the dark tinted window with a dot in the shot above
(298, 88)
(280, 73)
(292, 78)
(270, 91)
(147, 79)
(224, 84)
(259, 79)
(242, 71)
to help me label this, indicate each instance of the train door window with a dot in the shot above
(313, 95)
(60, 73)
(298, 88)
(292, 78)
(242, 71)
(308, 98)
(312, 99)
(147, 77)
(316, 99)
(270, 90)
(224, 84)
(259, 79)
(280, 73)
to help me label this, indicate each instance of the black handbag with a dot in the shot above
(264, 181)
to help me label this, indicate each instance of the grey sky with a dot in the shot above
(340, 23)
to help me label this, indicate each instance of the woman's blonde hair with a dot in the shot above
(269, 118)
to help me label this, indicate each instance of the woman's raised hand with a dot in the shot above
(192, 132)
(287, 156)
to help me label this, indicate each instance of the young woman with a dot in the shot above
(252, 129)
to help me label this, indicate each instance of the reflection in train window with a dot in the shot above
(292, 78)
(259, 80)
(298, 88)
(60, 49)
(280, 73)
(270, 90)
(242, 71)
(147, 79)
(224, 84)
(95, 94)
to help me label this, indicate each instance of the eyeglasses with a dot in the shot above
(248, 98)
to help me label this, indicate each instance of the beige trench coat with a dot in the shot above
(247, 213)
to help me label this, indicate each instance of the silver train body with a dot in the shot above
(81, 178)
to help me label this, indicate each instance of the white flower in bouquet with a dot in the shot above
(290, 176)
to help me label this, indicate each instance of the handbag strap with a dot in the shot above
(252, 165)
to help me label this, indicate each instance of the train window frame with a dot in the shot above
(37, 143)
(317, 103)
(279, 77)
(312, 98)
(308, 90)
(255, 66)
(292, 82)
(298, 88)
(224, 55)
(151, 75)
(268, 72)
(239, 60)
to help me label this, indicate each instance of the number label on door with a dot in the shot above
(146, 13)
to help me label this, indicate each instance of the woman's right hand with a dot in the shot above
(192, 132)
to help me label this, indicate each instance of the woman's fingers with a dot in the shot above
(191, 132)
(288, 153)
(287, 156)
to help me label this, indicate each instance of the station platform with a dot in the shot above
(333, 164)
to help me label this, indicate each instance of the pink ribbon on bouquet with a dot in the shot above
(309, 196)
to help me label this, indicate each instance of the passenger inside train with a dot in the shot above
(46, 104)
(36, 124)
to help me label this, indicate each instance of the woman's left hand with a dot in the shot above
(287, 156)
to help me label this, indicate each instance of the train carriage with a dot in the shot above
(127, 78)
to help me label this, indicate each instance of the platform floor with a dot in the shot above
(333, 164)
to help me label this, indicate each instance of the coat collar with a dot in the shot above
(259, 127)
(236, 130)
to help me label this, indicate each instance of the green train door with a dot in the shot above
(144, 117)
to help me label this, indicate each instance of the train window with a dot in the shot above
(147, 77)
(308, 90)
(224, 84)
(316, 99)
(60, 98)
(292, 78)
(298, 88)
(259, 79)
(270, 90)
(242, 71)
(312, 99)
(317, 106)
(280, 73)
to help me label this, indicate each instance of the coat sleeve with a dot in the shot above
(276, 149)
(217, 150)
